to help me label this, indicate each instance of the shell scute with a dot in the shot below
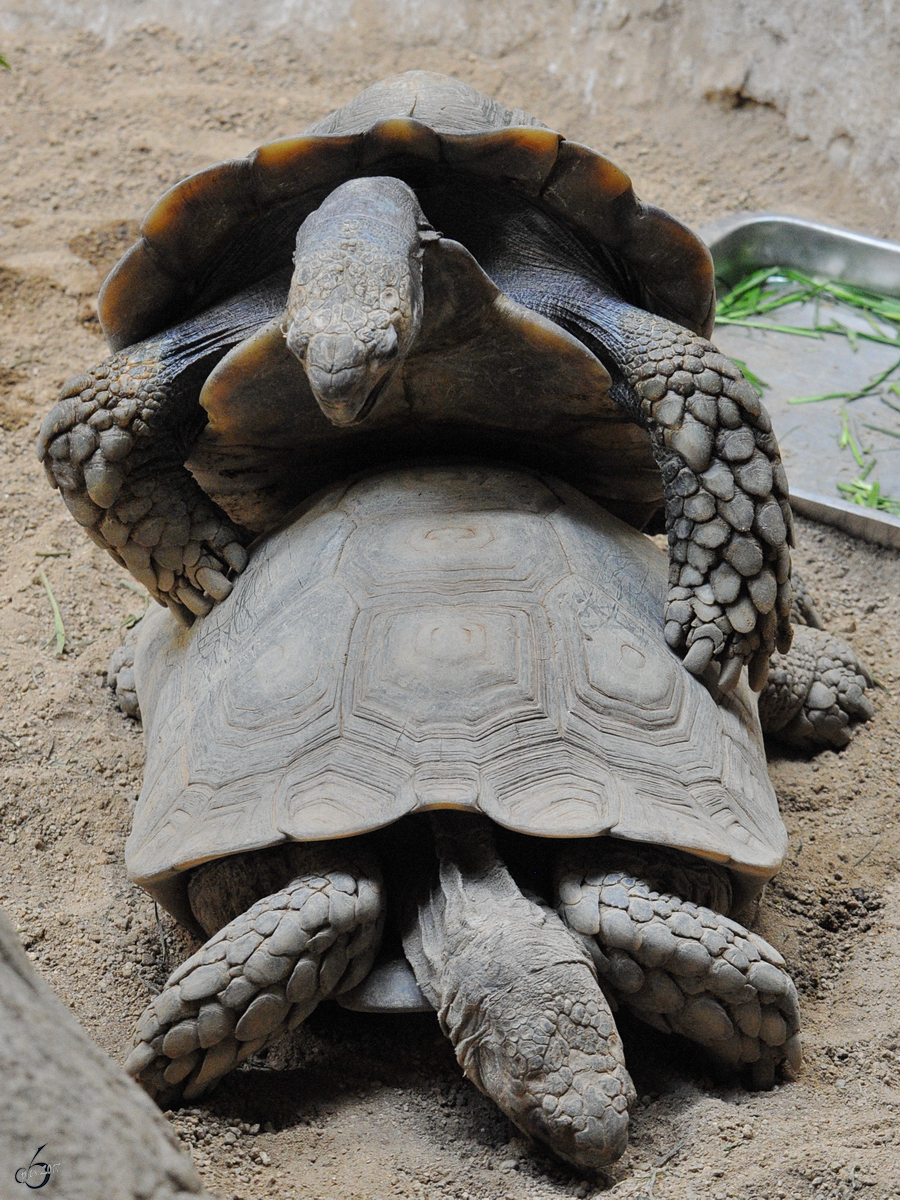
(522, 156)
(193, 220)
(399, 137)
(590, 192)
(290, 167)
(137, 297)
(675, 268)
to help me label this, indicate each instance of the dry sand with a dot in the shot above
(368, 1107)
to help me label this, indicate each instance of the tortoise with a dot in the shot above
(440, 692)
(290, 317)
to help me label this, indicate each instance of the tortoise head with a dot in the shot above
(355, 303)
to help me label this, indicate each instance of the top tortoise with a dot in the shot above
(293, 316)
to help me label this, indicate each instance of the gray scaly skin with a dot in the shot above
(355, 305)
(815, 692)
(519, 1001)
(678, 964)
(264, 972)
(115, 445)
(727, 513)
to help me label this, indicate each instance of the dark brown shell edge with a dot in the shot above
(189, 227)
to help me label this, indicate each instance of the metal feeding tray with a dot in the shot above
(810, 434)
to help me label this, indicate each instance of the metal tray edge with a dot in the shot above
(778, 239)
(861, 522)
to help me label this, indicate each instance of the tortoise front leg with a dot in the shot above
(116, 442)
(264, 972)
(519, 1001)
(115, 445)
(727, 513)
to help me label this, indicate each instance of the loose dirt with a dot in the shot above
(371, 1107)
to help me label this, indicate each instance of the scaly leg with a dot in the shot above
(115, 445)
(263, 973)
(815, 692)
(727, 512)
(682, 967)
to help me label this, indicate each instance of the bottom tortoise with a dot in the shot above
(441, 697)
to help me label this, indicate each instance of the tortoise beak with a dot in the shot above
(345, 375)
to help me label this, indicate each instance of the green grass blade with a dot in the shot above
(895, 433)
(847, 440)
(797, 329)
(868, 495)
(4, 65)
(58, 626)
(755, 380)
(878, 380)
(746, 285)
(826, 396)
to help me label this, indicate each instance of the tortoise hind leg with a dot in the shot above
(120, 676)
(266, 970)
(681, 966)
(519, 1001)
(815, 692)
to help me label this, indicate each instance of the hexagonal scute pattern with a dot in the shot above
(472, 637)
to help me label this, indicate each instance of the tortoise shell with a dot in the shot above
(482, 362)
(235, 223)
(465, 636)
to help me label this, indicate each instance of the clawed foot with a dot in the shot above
(150, 514)
(686, 969)
(256, 979)
(815, 692)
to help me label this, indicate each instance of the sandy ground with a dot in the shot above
(366, 1107)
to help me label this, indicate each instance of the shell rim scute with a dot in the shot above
(697, 271)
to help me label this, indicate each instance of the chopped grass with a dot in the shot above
(752, 303)
(772, 288)
(860, 491)
(847, 440)
(872, 386)
(4, 65)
